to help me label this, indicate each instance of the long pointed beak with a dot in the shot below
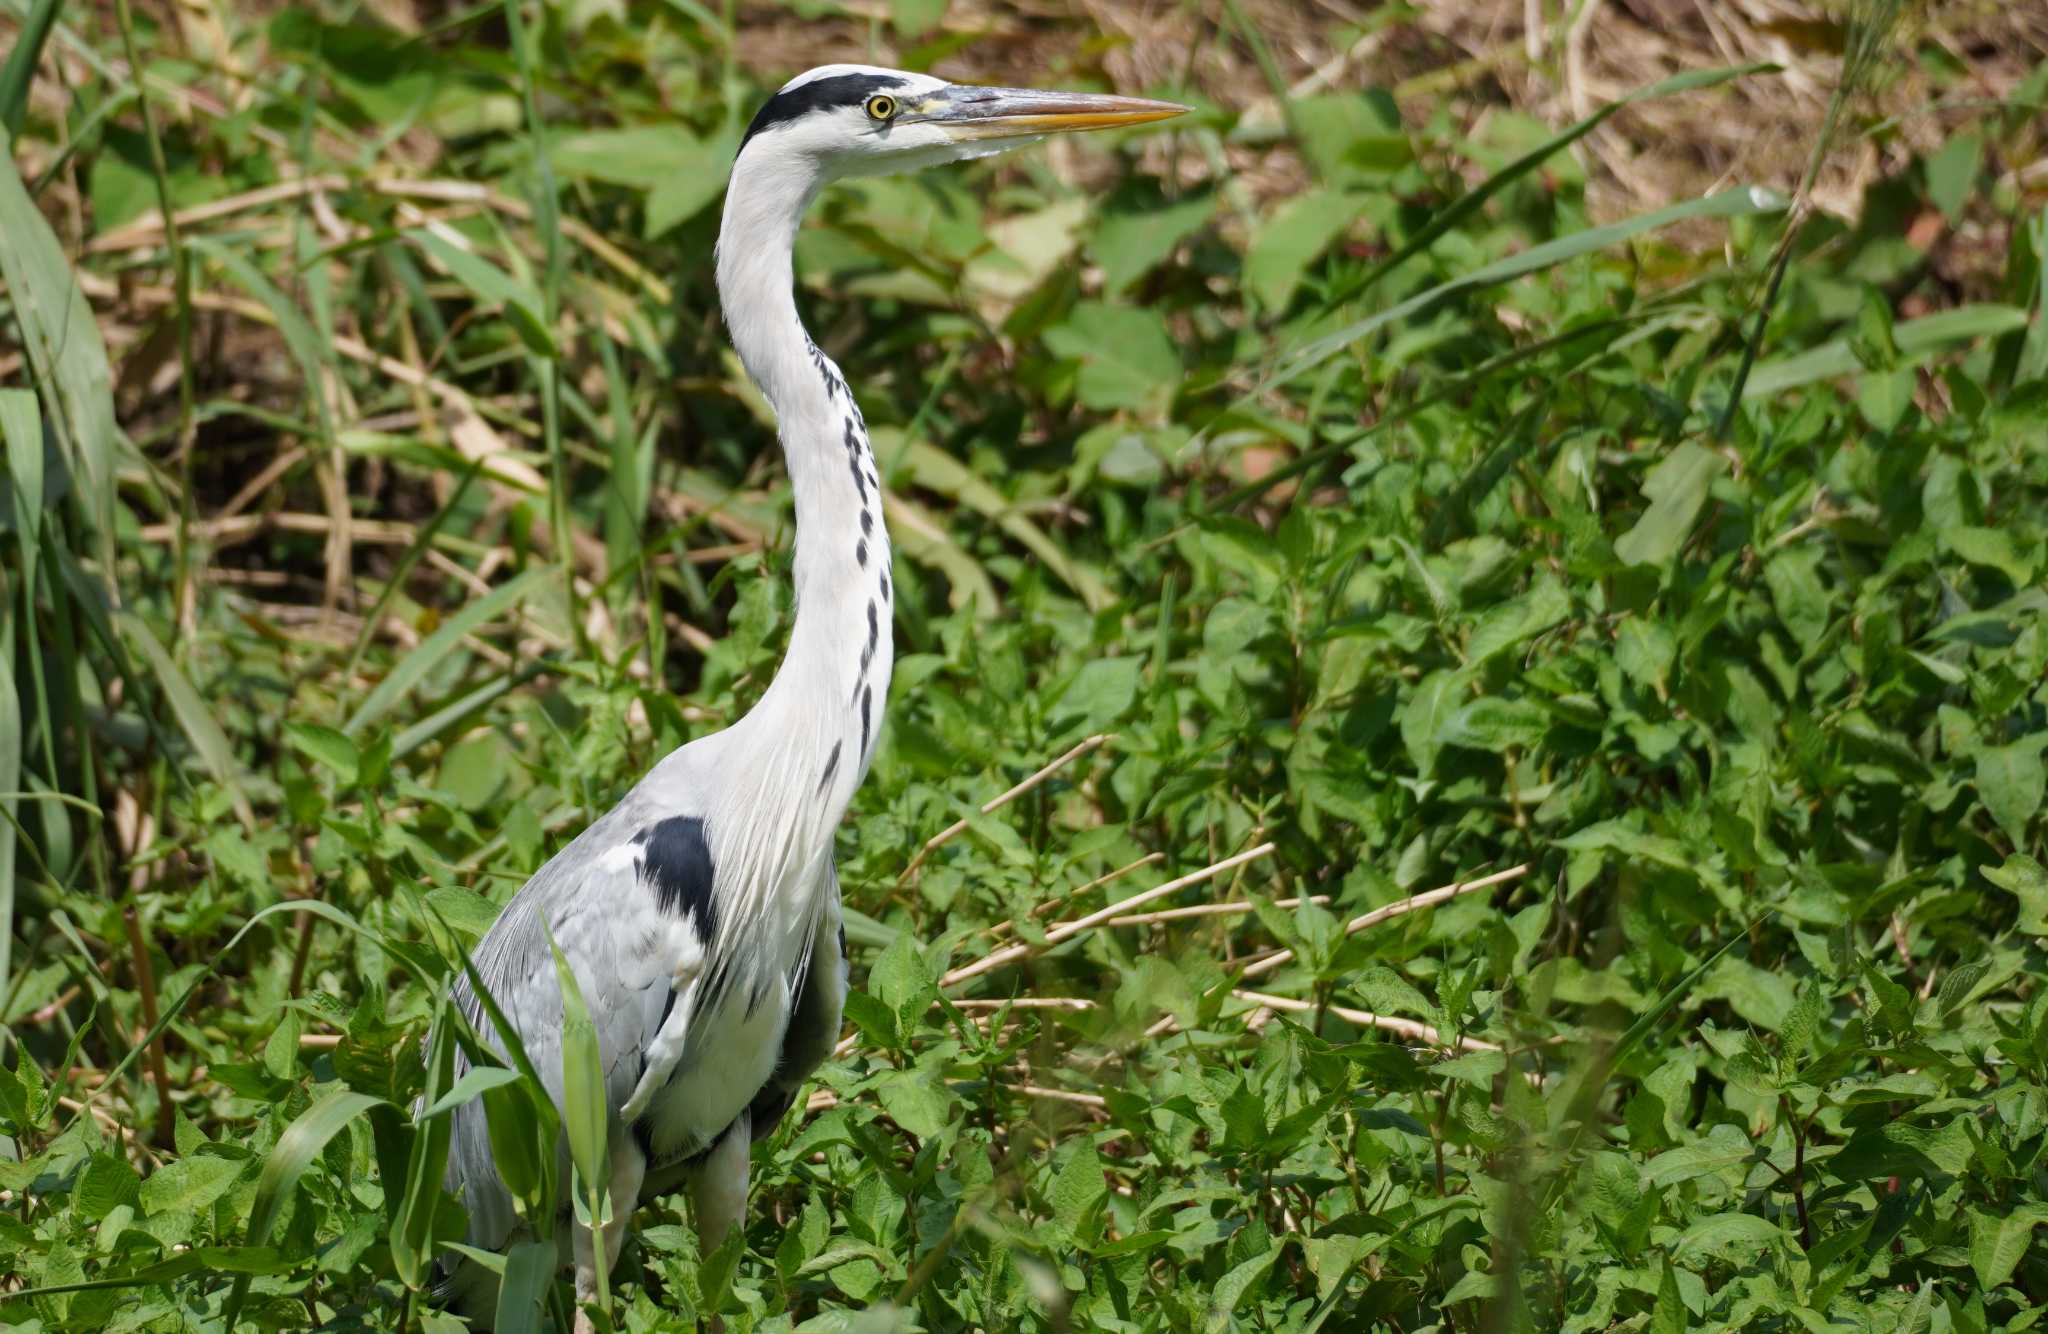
(1003, 113)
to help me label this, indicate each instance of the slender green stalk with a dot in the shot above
(20, 70)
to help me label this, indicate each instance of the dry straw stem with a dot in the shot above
(1412, 1029)
(1209, 910)
(1375, 917)
(958, 827)
(824, 1100)
(1042, 909)
(1408, 905)
(1068, 930)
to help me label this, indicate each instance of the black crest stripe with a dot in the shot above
(833, 91)
(677, 866)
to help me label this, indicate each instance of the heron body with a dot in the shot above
(701, 914)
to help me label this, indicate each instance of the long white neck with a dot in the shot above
(816, 725)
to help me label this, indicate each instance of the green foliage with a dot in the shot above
(1418, 523)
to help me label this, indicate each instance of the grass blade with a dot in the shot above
(61, 339)
(1740, 202)
(416, 665)
(289, 1158)
(194, 717)
(20, 70)
(1475, 199)
(1916, 339)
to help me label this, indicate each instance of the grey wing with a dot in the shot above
(622, 939)
(813, 1019)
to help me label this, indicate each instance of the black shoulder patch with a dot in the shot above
(837, 90)
(676, 863)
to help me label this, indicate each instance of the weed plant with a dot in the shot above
(1658, 597)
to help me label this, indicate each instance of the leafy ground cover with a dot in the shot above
(1564, 669)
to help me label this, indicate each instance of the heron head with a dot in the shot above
(859, 120)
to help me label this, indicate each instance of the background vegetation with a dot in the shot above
(1413, 470)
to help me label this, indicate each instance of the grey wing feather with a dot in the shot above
(608, 928)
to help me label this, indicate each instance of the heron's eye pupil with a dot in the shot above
(881, 107)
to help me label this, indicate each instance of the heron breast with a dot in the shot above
(732, 1052)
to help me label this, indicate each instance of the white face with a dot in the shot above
(845, 120)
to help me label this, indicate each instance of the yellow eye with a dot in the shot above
(881, 106)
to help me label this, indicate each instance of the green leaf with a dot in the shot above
(1884, 396)
(62, 342)
(1735, 203)
(1517, 620)
(1725, 1235)
(1490, 723)
(1237, 1284)
(238, 858)
(1127, 359)
(20, 69)
(463, 909)
(187, 1185)
(1129, 245)
(1078, 1192)
(1100, 693)
(916, 1102)
(473, 1085)
(1670, 1315)
(2011, 781)
(2026, 880)
(1301, 229)
(1952, 174)
(1999, 1241)
(106, 1182)
(1677, 490)
(1424, 717)
(1645, 650)
(328, 746)
(1990, 547)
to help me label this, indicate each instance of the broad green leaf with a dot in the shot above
(1735, 203)
(1999, 1241)
(1237, 1284)
(1723, 1236)
(473, 1084)
(1952, 175)
(1285, 244)
(2026, 880)
(1677, 490)
(1990, 547)
(1127, 360)
(1100, 693)
(1078, 1191)
(328, 746)
(187, 1185)
(2011, 780)
(1129, 245)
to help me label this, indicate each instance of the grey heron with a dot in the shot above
(701, 914)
